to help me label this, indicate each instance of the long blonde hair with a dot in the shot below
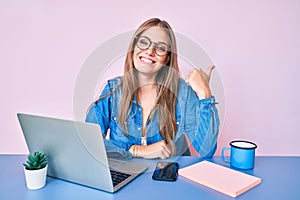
(167, 84)
(166, 81)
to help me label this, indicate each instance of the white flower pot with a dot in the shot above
(36, 179)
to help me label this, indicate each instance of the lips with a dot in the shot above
(147, 60)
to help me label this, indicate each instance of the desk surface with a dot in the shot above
(280, 180)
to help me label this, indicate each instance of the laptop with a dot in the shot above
(76, 152)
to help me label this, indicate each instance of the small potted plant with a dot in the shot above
(35, 170)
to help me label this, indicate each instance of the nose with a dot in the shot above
(151, 50)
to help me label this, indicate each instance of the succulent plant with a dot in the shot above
(35, 161)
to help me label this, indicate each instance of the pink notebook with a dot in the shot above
(217, 177)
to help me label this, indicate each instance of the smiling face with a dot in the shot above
(147, 62)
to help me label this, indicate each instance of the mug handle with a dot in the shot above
(223, 154)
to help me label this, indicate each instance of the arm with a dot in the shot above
(204, 138)
(100, 113)
(156, 150)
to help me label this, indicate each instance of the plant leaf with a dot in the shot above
(30, 158)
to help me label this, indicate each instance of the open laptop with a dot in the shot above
(76, 152)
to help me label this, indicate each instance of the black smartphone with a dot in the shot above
(166, 171)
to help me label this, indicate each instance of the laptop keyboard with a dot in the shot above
(118, 177)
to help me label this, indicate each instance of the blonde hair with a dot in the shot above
(166, 81)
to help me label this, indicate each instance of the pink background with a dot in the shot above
(255, 46)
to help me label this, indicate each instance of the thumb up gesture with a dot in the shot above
(199, 81)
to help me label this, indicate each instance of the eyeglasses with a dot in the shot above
(144, 43)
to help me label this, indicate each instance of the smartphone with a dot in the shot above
(166, 171)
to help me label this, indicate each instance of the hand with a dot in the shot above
(199, 81)
(155, 150)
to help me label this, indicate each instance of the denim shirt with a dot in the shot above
(198, 119)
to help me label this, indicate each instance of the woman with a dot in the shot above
(150, 111)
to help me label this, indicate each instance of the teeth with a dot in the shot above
(146, 60)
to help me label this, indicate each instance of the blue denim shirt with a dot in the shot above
(198, 119)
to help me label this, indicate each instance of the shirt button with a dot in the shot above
(177, 122)
(139, 128)
(115, 118)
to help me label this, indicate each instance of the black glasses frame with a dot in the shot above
(155, 47)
